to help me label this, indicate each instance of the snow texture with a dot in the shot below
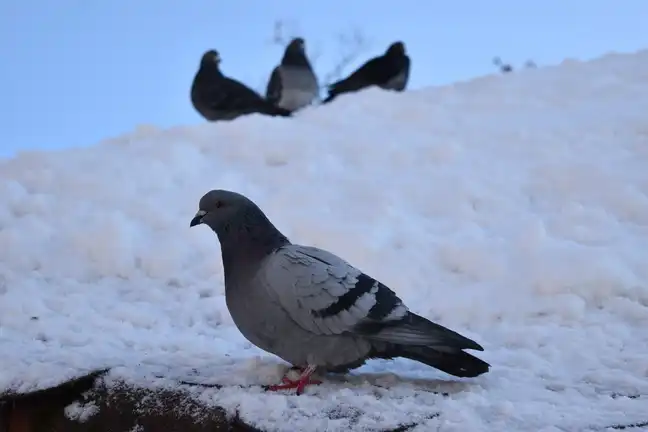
(81, 412)
(513, 209)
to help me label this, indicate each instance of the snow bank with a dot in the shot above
(513, 209)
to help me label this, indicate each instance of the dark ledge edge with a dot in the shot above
(121, 407)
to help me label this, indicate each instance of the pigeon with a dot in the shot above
(313, 309)
(293, 84)
(503, 67)
(217, 97)
(389, 71)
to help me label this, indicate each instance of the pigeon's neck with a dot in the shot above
(249, 240)
(210, 70)
(295, 59)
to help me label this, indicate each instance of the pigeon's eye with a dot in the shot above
(219, 204)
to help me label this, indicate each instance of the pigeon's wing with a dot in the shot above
(275, 86)
(238, 95)
(245, 99)
(235, 96)
(222, 95)
(326, 295)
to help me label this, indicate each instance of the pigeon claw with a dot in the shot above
(299, 384)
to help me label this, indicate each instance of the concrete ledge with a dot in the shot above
(120, 408)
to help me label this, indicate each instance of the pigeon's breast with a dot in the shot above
(299, 88)
(255, 315)
(396, 83)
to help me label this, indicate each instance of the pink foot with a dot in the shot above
(299, 384)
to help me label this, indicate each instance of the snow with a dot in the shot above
(81, 412)
(513, 209)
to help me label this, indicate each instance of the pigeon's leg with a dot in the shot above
(300, 383)
(300, 370)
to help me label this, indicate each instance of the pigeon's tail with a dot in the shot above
(329, 98)
(353, 83)
(458, 363)
(338, 88)
(417, 338)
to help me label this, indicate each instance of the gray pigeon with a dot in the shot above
(217, 97)
(293, 84)
(389, 71)
(312, 308)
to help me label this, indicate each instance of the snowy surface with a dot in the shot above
(513, 209)
(81, 412)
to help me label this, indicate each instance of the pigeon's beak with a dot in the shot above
(198, 219)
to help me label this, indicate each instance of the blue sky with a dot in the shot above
(75, 72)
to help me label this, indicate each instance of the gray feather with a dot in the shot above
(292, 87)
(311, 284)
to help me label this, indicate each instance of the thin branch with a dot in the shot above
(351, 46)
(283, 32)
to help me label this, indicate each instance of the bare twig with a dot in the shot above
(277, 34)
(351, 46)
(283, 32)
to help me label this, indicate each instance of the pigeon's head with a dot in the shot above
(238, 222)
(295, 54)
(396, 49)
(297, 45)
(218, 208)
(210, 58)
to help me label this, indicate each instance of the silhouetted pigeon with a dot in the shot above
(503, 67)
(293, 84)
(217, 97)
(389, 71)
(312, 308)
